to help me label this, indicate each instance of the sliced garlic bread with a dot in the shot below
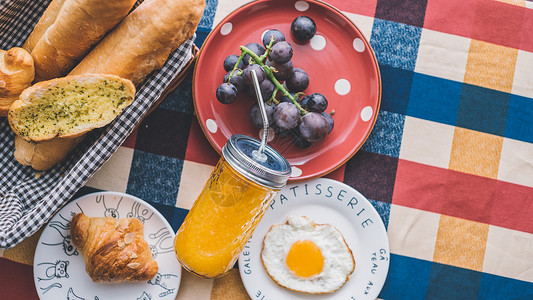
(70, 106)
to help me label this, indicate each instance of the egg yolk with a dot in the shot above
(305, 259)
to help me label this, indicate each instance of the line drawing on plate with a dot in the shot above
(145, 296)
(54, 270)
(53, 285)
(72, 296)
(109, 211)
(81, 209)
(134, 213)
(161, 280)
(66, 242)
(159, 247)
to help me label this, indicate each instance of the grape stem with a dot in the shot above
(241, 57)
(236, 67)
(273, 97)
(268, 49)
(268, 72)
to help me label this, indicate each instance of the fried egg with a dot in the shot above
(307, 257)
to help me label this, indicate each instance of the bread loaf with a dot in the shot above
(47, 19)
(139, 45)
(16, 74)
(69, 106)
(44, 155)
(79, 25)
(144, 40)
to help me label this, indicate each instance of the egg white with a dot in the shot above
(338, 258)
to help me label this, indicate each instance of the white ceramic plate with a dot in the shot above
(59, 268)
(324, 201)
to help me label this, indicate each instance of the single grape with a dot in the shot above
(226, 93)
(286, 115)
(255, 115)
(278, 36)
(250, 90)
(299, 81)
(284, 98)
(299, 141)
(281, 52)
(314, 127)
(236, 80)
(280, 132)
(230, 61)
(255, 48)
(315, 102)
(303, 28)
(329, 118)
(258, 71)
(282, 72)
(267, 89)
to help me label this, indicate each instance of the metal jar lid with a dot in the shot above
(272, 173)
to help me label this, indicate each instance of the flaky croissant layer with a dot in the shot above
(114, 249)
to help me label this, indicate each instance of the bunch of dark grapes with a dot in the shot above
(290, 111)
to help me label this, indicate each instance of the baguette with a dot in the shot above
(144, 40)
(140, 44)
(16, 74)
(47, 19)
(79, 25)
(44, 155)
(70, 106)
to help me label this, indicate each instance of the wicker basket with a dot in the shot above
(28, 199)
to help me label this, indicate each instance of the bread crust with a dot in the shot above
(44, 155)
(144, 40)
(114, 250)
(16, 74)
(79, 25)
(47, 19)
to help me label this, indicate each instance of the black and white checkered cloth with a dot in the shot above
(28, 201)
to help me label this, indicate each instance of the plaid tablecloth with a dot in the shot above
(448, 165)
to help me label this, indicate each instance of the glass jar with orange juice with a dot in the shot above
(229, 207)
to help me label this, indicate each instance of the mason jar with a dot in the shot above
(232, 202)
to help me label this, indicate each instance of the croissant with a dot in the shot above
(114, 249)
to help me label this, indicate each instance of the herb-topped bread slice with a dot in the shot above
(70, 106)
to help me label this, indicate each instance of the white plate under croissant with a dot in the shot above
(59, 268)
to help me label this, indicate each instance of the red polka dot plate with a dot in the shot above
(341, 65)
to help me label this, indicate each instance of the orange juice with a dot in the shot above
(223, 217)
